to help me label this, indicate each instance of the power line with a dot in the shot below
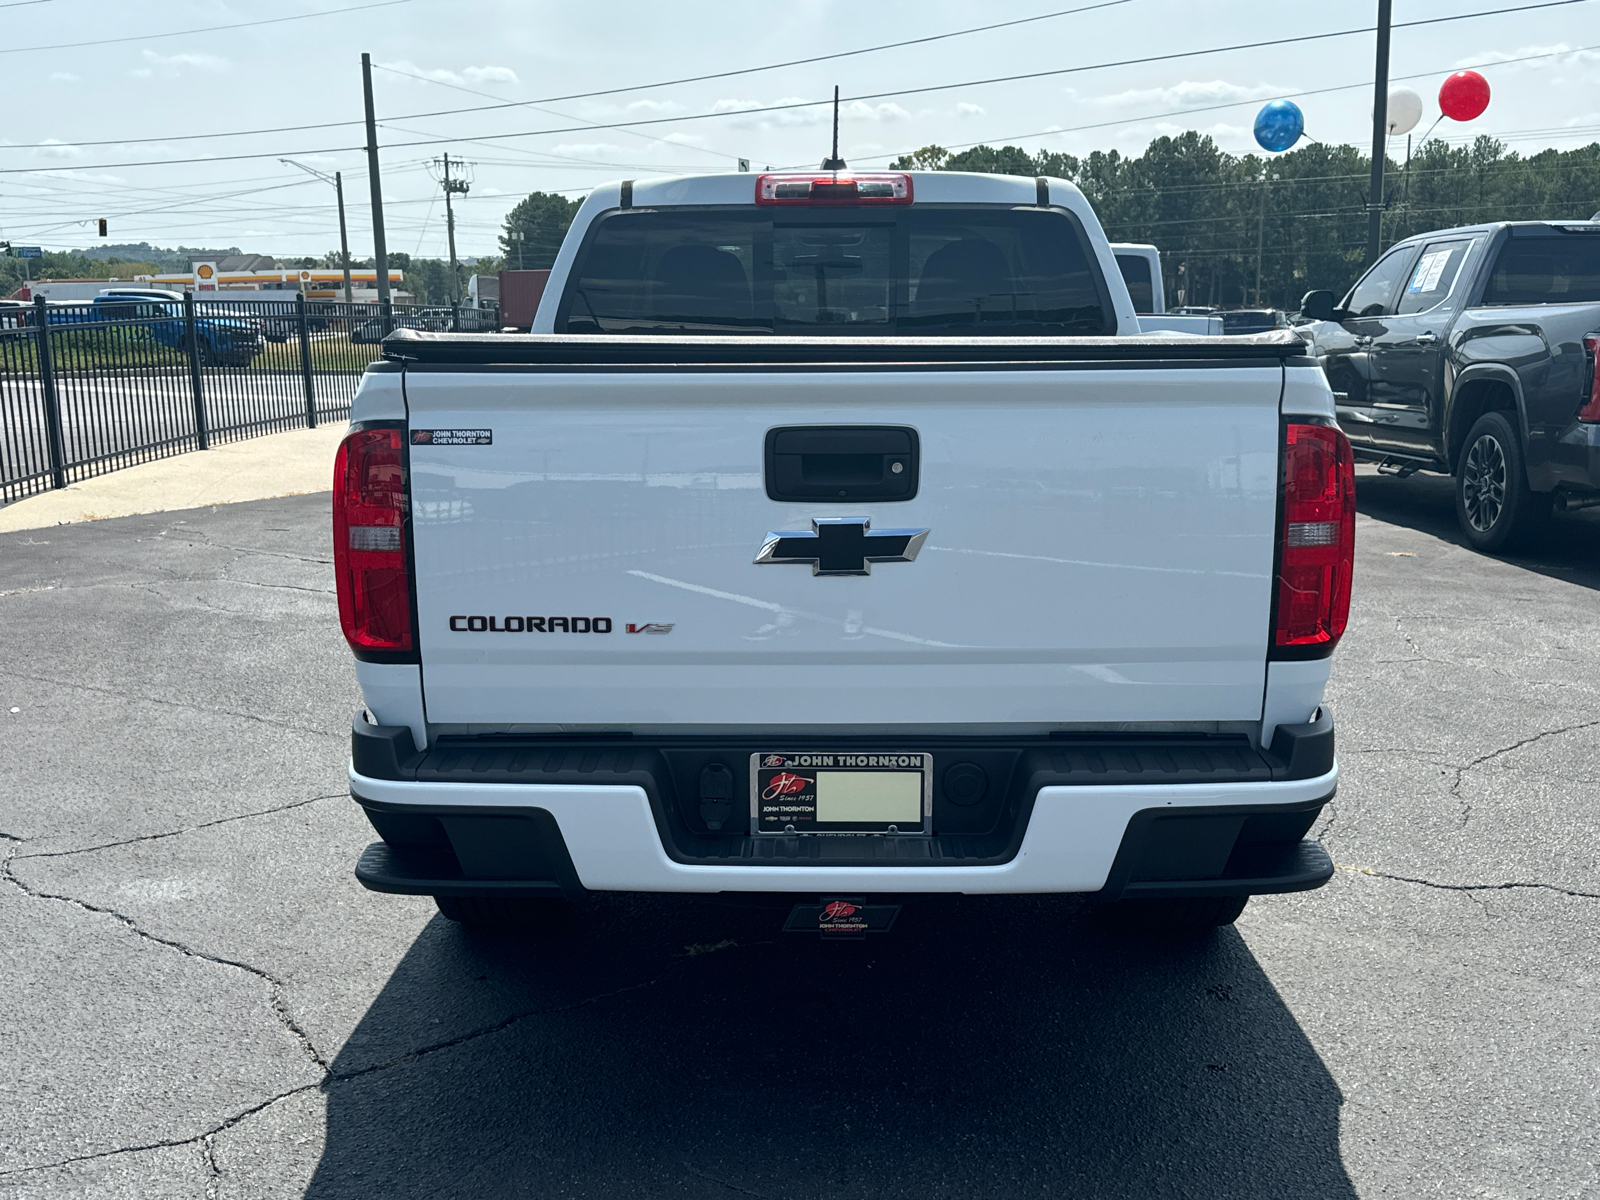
(146, 37)
(797, 62)
(1210, 108)
(552, 112)
(625, 125)
(1127, 62)
(534, 103)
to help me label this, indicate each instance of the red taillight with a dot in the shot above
(369, 549)
(834, 187)
(1318, 539)
(1591, 409)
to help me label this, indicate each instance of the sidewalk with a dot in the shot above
(281, 464)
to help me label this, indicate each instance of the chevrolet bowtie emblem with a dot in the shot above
(841, 546)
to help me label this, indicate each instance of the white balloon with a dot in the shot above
(1405, 110)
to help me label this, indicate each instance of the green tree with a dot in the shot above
(1208, 210)
(542, 218)
(929, 158)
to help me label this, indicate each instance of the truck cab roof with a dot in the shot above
(1515, 229)
(908, 192)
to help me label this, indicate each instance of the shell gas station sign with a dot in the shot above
(314, 283)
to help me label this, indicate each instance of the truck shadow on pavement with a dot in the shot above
(660, 1046)
(1570, 551)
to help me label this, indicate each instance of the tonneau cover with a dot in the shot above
(413, 346)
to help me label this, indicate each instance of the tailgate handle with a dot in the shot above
(808, 463)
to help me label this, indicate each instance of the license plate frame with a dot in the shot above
(820, 784)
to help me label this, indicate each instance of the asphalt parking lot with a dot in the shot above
(197, 998)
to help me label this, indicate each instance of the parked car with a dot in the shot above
(14, 314)
(1252, 320)
(231, 341)
(1140, 266)
(436, 320)
(923, 577)
(1472, 352)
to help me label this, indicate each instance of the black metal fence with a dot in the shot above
(124, 379)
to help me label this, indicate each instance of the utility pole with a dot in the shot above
(1380, 133)
(337, 179)
(344, 238)
(1261, 235)
(452, 187)
(1261, 228)
(517, 236)
(380, 248)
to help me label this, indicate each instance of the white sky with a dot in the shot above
(308, 71)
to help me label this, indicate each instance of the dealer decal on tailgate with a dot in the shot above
(452, 437)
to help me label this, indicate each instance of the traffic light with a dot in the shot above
(102, 227)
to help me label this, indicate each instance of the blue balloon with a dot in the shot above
(1279, 125)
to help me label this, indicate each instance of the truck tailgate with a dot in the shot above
(1099, 549)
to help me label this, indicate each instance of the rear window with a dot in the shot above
(934, 271)
(1135, 270)
(1546, 270)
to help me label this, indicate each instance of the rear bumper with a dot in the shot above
(1574, 463)
(1114, 841)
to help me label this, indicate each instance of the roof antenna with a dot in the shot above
(834, 163)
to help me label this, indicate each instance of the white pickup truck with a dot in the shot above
(1140, 266)
(831, 537)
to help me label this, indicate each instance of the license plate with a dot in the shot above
(853, 792)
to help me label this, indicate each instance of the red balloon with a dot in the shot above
(1464, 96)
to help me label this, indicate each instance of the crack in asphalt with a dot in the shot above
(165, 1143)
(275, 587)
(229, 581)
(473, 1035)
(172, 833)
(116, 695)
(1331, 813)
(330, 1078)
(208, 1159)
(732, 1187)
(276, 986)
(195, 539)
(1511, 885)
(1416, 651)
(1461, 771)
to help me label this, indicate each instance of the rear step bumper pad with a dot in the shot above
(1144, 840)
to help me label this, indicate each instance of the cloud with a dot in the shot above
(491, 75)
(53, 148)
(1561, 55)
(812, 114)
(858, 110)
(1216, 132)
(587, 149)
(1187, 93)
(460, 79)
(172, 64)
(970, 110)
(661, 108)
(84, 176)
(65, 76)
